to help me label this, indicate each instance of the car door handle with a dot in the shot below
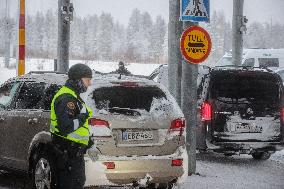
(33, 120)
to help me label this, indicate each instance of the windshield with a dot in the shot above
(225, 61)
(281, 73)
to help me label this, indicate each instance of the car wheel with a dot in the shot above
(43, 172)
(165, 186)
(261, 155)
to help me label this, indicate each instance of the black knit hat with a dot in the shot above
(79, 71)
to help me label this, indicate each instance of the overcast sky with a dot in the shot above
(255, 10)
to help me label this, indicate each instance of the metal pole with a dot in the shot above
(7, 35)
(237, 43)
(189, 106)
(22, 39)
(63, 36)
(175, 57)
(55, 65)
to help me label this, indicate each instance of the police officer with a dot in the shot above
(70, 130)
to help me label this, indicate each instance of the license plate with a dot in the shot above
(248, 128)
(137, 135)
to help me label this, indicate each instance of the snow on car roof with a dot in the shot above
(50, 78)
(109, 80)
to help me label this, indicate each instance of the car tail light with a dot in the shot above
(100, 128)
(126, 83)
(98, 123)
(178, 125)
(206, 111)
(129, 84)
(177, 162)
(282, 114)
(109, 165)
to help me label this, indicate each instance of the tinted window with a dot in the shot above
(268, 62)
(261, 87)
(48, 95)
(7, 94)
(127, 97)
(30, 96)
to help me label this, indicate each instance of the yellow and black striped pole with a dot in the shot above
(22, 39)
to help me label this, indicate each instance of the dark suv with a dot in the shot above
(241, 111)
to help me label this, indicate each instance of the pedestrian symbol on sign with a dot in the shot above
(195, 10)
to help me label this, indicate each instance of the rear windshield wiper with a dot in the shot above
(124, 111)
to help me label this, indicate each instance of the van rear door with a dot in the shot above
(246, 106)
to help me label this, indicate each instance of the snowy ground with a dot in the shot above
(237, 172)
(214, 170)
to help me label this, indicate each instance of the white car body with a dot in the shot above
(256, 58)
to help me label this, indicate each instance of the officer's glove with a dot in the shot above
(93, 150)
(91, 143)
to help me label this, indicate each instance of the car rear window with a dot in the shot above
(268, 62)
(127, 97)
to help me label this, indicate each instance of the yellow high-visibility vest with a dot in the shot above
(80, 135)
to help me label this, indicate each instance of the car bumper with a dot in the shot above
(245, 147)
(135, 170)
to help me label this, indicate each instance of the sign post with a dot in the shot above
(22, 39)
(195, 44)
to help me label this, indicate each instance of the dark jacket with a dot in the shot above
(122, 71)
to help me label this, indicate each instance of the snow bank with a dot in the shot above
(278, 157)
(48, 65)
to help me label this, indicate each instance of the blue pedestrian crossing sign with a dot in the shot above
(195, 10)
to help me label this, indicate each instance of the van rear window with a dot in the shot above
(268, 62)
(250, 86)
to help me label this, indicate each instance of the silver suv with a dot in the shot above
(140, 133)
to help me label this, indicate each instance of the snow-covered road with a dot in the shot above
(213, 171)
(237, 172)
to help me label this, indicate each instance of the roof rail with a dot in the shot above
(245, 67)
(44, 72)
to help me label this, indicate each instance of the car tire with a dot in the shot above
(261, 155)
(43, 172)
(165, 186)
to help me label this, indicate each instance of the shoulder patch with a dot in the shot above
(71, 105)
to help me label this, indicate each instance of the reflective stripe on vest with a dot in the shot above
(80, 135)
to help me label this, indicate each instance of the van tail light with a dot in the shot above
(178, 125)
(206, 111)
(177, 162)
(282, 114)
(100, 128)
(109, 165)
